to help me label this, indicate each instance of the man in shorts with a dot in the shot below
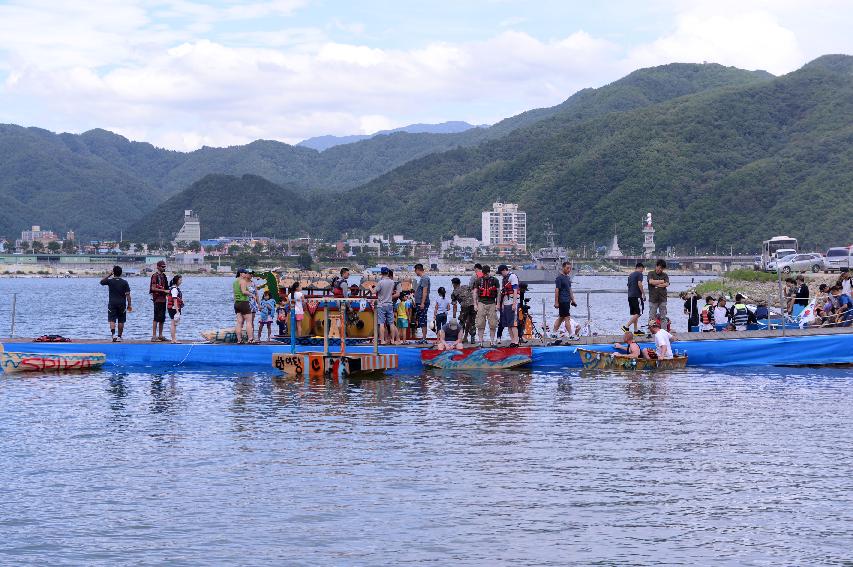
(485, 304)
(159, 290)
(564, 298)
(509, 303)
(658, 282)
(385, 296)
(119, 304)
(635, 295)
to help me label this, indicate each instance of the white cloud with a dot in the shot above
(184, 73)
(752, 39)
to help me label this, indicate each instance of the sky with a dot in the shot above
(185, 73)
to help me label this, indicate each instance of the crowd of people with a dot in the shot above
(476, 312)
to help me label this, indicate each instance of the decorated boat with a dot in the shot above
(12, 362)
(614, 361)
(477, 358)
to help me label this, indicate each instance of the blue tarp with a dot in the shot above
(814, 349)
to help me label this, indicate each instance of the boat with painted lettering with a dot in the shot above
(14, 362)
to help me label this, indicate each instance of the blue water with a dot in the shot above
(751, 466)
(513, 468)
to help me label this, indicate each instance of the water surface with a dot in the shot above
(511, 468)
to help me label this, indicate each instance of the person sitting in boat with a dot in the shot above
(630, 349)
(663, 342)
(450, 336)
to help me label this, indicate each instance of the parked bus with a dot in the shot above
(770, 248)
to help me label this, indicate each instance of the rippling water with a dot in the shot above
(510, 468)
(750, 466)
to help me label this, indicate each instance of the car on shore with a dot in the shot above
(837, 258)
(809, 262)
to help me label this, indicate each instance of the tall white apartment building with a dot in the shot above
(505, 227)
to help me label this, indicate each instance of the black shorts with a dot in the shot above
(634, 305)
(242, 308)
(116, 314)
(172, 313)
(160, 312)
(565, 308)
(507, 319)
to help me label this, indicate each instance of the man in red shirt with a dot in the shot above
(159, 290)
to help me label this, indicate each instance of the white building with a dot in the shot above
(505, 227)
(191, 231)
(460, 242)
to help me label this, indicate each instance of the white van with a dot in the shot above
(837, 258)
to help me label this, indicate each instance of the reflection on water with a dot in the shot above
(507, 467)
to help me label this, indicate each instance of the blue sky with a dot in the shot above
(186, 73)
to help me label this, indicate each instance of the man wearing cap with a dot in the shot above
(509, 303)
(385, 296)
(159, 290)
(450, 336)
(663, 344)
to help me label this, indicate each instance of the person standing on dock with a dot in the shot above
(564, 299)
(635, 295)
(485, 304)
(385, 296)
(461, 297)
(422, 301)
(119, 304)
(509, 303)
(159, 289)
(242, 308)
(658, 282)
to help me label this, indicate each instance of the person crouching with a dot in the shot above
(450, 336)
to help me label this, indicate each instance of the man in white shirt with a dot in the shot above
(663, 345)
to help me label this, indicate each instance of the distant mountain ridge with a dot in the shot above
(322, 143)
(720, 157)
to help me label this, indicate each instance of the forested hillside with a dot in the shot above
(415, 188)
(730, 166)
(98, 183)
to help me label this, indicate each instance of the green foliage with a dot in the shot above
(751, 276)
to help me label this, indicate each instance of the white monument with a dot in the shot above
(614, 251)
(648, 237)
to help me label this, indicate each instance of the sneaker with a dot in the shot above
(117, 339)
(639, 333)
(624, 328)
(513, 345)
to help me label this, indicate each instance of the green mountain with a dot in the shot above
(731, 165)
(421, 197)
(98, 183)
(234, 205)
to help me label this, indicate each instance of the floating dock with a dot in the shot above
(756, 348)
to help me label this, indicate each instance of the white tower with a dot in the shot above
(614, 251)
(648, 237)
